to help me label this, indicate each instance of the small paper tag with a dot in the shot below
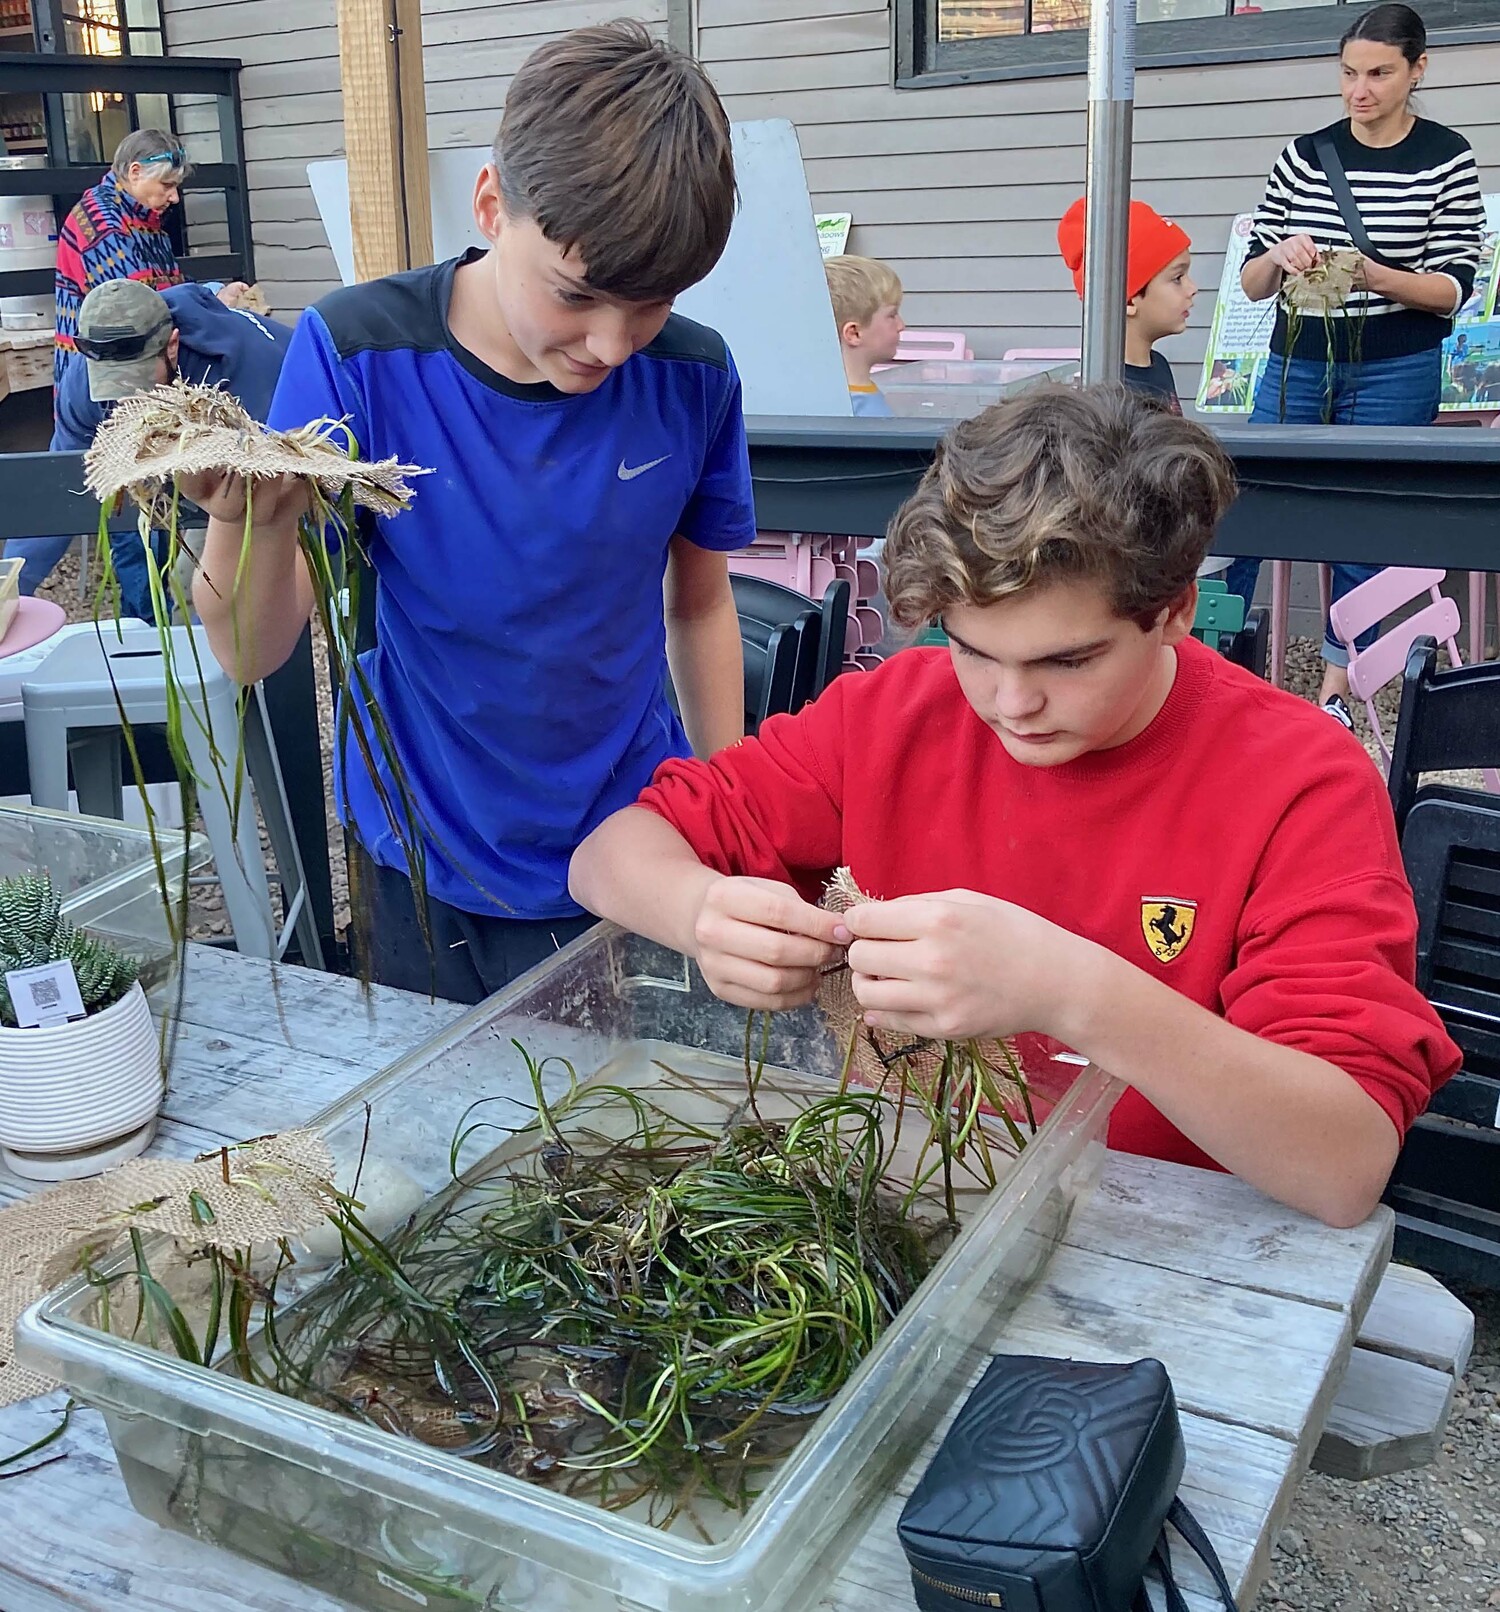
(45, 995)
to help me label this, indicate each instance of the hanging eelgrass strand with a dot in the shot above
(142, 451)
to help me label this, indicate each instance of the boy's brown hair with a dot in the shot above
(616, 144)
(860, 287)
(1099, 483)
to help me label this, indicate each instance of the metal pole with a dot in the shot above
(1107, 212)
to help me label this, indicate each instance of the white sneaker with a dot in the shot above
(1336, 708)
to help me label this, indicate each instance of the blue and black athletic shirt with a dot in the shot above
(520, 662)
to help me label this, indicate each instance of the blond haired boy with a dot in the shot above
(866, 297)
(1059, 835)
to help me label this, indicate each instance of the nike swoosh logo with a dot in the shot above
(630, 472)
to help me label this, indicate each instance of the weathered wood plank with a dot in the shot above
(1159, 1211)
(1414, 1317)
(1234, 1354)
(1388, 1417)
(302, 1010)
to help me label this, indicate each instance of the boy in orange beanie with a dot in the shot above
(1158, 287)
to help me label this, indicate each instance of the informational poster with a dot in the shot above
(1239, 339)
(833, 232)
(1471, 355)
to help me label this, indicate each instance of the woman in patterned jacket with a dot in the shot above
(115, 232)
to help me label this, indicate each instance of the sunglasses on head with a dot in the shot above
(176, 156)
(114, 349)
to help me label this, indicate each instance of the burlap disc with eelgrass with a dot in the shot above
(181, 430)
(1326, 286)
(885, 1059)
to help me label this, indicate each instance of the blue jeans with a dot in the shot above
(1381, 391)
(41, 555)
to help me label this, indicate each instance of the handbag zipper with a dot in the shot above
(976, 1597)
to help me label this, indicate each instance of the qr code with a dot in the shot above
(45, 994)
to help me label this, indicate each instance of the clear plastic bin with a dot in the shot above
(955, 388)
(105, 871)
(389, 1524)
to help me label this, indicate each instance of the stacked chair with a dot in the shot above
(1446, 1185)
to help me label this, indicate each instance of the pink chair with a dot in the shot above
(1367, 606)
(932, 344)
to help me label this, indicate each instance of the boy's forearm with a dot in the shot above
(637, 870)
(1287, 1122)
(708, 672)
(254, 607)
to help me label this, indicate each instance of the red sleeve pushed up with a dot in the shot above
(1326, 956)
(770, 807)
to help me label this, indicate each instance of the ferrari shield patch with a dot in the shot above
(1167, 925)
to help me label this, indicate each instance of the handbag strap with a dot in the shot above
(1338, 183)
(1201, 1545)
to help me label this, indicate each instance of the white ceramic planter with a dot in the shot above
(79, 1097)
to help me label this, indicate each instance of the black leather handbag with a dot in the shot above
(1052, 1491)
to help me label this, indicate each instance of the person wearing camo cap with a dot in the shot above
(132, 339)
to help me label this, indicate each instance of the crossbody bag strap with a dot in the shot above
(1201, 1545)
(1338, 183)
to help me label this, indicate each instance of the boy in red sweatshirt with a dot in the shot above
(1078, 821)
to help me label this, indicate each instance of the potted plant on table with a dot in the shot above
(80, 1061)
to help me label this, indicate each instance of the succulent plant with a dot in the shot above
(33, 931)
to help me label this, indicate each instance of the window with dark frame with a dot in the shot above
(947, 40)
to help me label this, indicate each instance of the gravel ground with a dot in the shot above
(1429, 1538)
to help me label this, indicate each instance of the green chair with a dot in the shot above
(1220, 615)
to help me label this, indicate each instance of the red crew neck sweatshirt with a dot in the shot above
(1241, 818)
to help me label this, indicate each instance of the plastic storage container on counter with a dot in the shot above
(389, 1524)
(105, 871)
(955, 388)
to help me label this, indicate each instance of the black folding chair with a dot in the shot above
(776, 663)
(1448, 720)
(822, 648)
(1250, 647)
(1446, 1185)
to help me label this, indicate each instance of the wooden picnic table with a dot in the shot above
(1252, 1307)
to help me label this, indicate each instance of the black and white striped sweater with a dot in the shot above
(1421, 208)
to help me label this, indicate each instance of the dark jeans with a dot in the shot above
(1382, 391)
(470, 957)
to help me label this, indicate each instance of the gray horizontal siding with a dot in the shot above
(293, 108)
(960, 188)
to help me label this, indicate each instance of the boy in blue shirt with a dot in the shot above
(590, 476)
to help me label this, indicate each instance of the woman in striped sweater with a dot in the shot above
(1378, 360)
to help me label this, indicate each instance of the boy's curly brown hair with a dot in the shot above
(1097, 482)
